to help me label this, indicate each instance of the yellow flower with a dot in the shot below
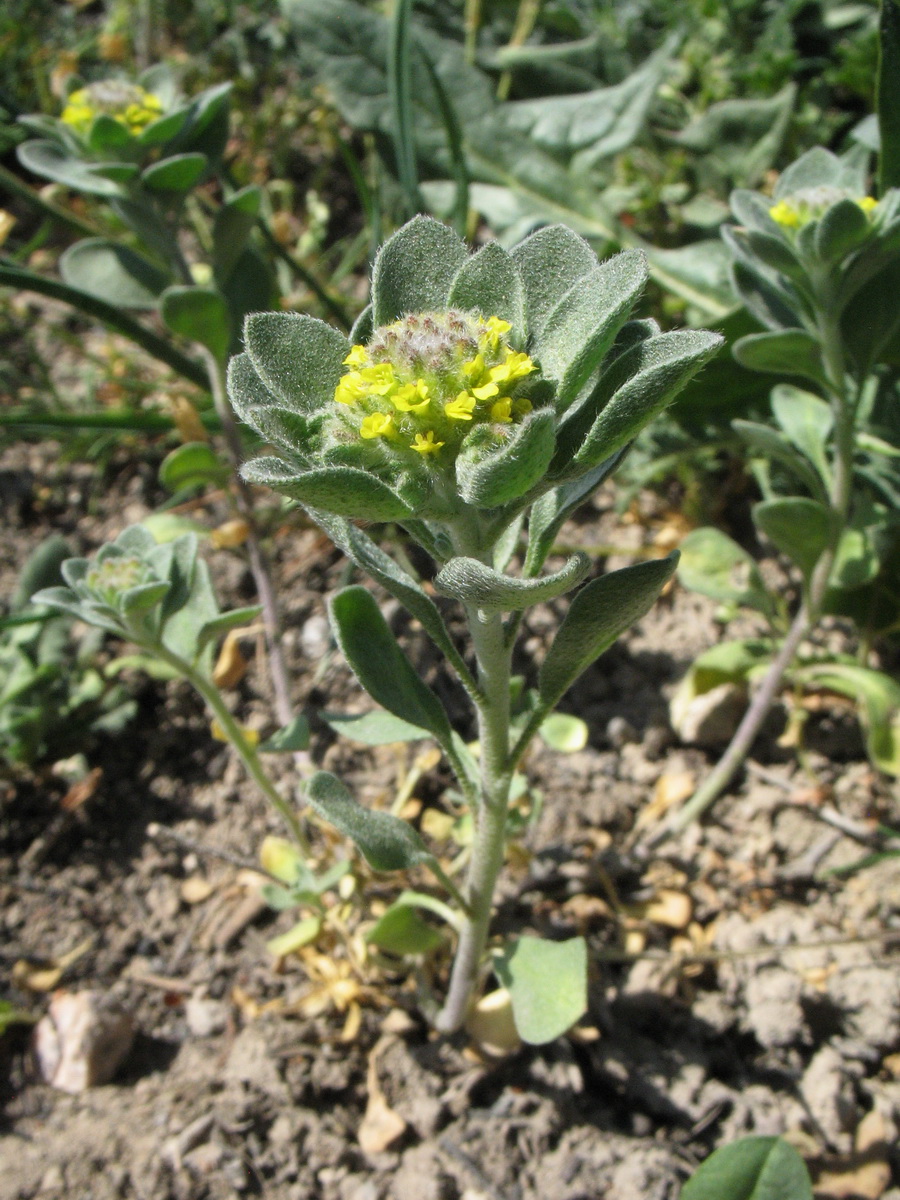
(785, 214)
(479, 378)
(412, 397)
(461, 408)
(426, 444)
(379, 379)
(495, 328)
(377, 425)
(514, 366)
(867, 204)
(351, 388)
(130, 105)
(501, 410)
(357, 357)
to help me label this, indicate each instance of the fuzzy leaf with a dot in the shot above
(813, 169)
(178, 173)
(598, 614)
(226, 621)
(840, 230)
(473, 582)
(878, 697)
(51, 161)
(385, 842)
(375, 728)
(112, 272)
(807, 421)
(194, 464)
(505, 474)
(357, 545)
(785, 352)
(714, 565)
(199, 314)
(583, 325)
(767, 443)
(800, 528)
(289, 739)
(345, 491)
(767, 301)
(381, 666)
(232, 227)
(547, 984)
(550, 262)
(659, 368)
(414, 270)
(489, 282)
(402, 931)
(298, 358)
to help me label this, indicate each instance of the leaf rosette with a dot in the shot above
(472, 382)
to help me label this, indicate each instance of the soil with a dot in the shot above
(736, 985)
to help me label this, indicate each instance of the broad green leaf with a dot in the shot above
(473, 582)
(547, 984)
(878, 697)
(599, 613)
(298, 358)
(199, 314)
(255, 405)
(887, 96)
(807, 421)
(385, 842)
(773, 250)
(167, 526)
(205, 131)
(189, 612)
(784, 352)
(590, 126)
(345, 491)
(367, 555)
(651, 375)
(402, 931)
(739, 139)
(249, 287)
(51, 161)
(381, 666)
(178, 173)
(414, 270)
(769, 444)
(583, 325)
(752, 1168)
(564, 733)
(502, 475)
(550, 262)
(840, 230)
(362, 327)
(856, 562)
(289, 739)
(108, 134)
(801, 529)
(489, 282)
(813, 169)
(227, 621)
(157, 133)
(771, 304)
(113, 273)
(714, 565)
(375, 728)
(232, 227)
(193, 465)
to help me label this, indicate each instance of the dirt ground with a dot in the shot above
(736, 986)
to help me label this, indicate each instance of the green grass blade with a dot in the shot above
(400, 93)
(456, 147)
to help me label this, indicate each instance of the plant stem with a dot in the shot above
(843, 408)
(238, 740)
(493, 656)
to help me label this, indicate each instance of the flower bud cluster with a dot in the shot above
(809, 204)
(110, 579)
(130, 105)
(425, 381)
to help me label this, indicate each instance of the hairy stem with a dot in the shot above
(842, 397)
(493, 658)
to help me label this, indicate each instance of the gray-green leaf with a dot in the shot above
(385, 842)
(547, 984)
(473, 582)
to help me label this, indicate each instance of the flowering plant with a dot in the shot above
(476, 392)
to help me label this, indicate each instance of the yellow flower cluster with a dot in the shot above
(130, 105)
(426, 377)
(808, 205)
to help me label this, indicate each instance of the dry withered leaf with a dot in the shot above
(381, 1126)
(672, 788)
(81, 791)
(44, 976)
(230, 534)
(231, 666)
(491, 1025)
(187, 420)
(195, 889)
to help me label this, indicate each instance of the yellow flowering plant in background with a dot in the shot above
(133, 107)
